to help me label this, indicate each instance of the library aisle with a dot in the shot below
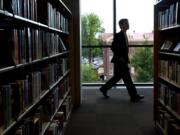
(113, 116)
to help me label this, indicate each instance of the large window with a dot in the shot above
(97, 35)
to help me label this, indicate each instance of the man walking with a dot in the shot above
(121, 63)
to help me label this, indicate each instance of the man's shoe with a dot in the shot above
(104, 92)
(137, 98)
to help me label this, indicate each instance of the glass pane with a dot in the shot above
(100, 69)
(138, 12)
(102, 8)
(96, 65)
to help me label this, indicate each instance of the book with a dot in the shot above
(1, 111)
(16, 100)
(177, 13)
(53, 129)
(6, 49)
(37, 125)
(15, 50)
(167, 46)
(7, 5)
(175, 129)
(6, 92)
(177, 48)
(171, 15)
(62, 46)
(178, 102)
(1, 4)
(29, 45)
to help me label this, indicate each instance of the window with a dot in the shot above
(96, 54)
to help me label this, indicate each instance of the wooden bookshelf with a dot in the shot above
(52, 117)
(166, 67)
(35, 69)
(174, 114)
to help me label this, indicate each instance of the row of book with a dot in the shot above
(67, 107)
(30, 126)
(170, 69)
(56, 19)
(56, 127)
(24, 8)
(66, 84)
(16, 97)
(37, 10)
(170, 98)
(169, 46)
(20, 94)
(25, 45)
(168, 124)
(52, 102)
(51, 73)
(169, 16)
(38, 121)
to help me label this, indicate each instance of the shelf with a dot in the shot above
(170, 28)
(172, 112)
(66, 122)
(43, 28)
(65, 6)
(6, 13)
(59, 80)
(159, 128)
(34, 105)
(6, 69)
(67, 73)
(170, 83)
(10, 68)
(170, 54)
(22, 116)
(39, 25)
(19, 18)
(28, 21)
(166, 63)
(48, 124)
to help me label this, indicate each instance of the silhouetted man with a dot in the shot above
(121, 63)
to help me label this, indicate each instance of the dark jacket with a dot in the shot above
(120, 48)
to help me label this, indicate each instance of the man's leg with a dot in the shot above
(110, 83)
(130, 85)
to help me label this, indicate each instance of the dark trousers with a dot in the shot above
(121, 71)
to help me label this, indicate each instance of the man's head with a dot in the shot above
(124, 24)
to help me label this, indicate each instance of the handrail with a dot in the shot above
(108, 46)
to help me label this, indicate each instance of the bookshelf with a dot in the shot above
(35, 67)
(167, 66)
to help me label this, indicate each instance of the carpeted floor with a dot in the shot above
(113, 116)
